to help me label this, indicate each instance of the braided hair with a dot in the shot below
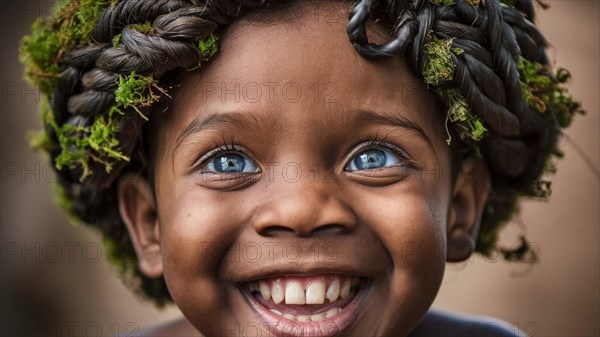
(106, 68)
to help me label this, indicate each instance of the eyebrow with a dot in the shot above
(251, 120)
(370, 117)
(246, 120)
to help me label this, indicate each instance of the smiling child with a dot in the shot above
(280, 169)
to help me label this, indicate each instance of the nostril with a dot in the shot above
(331, 229)
(272, 231)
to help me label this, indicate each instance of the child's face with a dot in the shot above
(307, 199)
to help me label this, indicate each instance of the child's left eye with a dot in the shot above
(372, 159)
(230, 163)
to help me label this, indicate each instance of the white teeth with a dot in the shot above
(333, 291)
(345, 290)
(277, 292)
(332, 312)
(315, 293)
(308, 318)
(317, 317)
(265, 290)
(303, 318)
(294, 293)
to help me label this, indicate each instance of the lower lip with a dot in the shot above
(332, 326)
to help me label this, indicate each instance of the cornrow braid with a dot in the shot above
(106, 67)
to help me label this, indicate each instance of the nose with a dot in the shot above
(303, 209)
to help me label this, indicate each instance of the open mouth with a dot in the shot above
(315, 305)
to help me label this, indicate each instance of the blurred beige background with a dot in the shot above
(54, 280)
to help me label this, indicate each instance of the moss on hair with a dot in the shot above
(68, 27)
(468, 125)
(540, 85)
(85, 144)
(438, 71)
(207, 47)
(145, 27)
(438, 67)
(135, 91)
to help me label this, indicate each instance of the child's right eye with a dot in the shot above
(230, 163)
(227, 159)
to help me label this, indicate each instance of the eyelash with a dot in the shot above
(380, 143)
(219, 149)
(376, 143)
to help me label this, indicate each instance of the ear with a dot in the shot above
(470, 193)
(138, 210)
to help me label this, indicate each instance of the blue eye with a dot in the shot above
(372, 159)
(231, 163)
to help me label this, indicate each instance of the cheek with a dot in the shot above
(409, 219)
(197, 229)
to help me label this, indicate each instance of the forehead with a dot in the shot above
(298, 59)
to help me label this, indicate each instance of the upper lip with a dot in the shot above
(300, 270)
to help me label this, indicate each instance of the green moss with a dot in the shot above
(39, 140)
(438, 67)
(116, 41)
(542, 92)
(438, 71)
(207, 46)
(145, 27)
(135, 91)
(468, 125)
(70, 25)
(82, 145)
(533, 82)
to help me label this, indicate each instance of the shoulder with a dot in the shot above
(443, 323)
(180, 327)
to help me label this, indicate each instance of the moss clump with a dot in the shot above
(207, 47)
(82, 145)
(145, 27)
(438, 70)
(438, 67)
(541, 91)
(116, 41)
(69, 26)
(98, 142)
(135, 91)
(467, 124)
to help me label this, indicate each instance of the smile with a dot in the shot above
(315, 305)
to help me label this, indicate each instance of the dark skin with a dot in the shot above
(393, 225)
